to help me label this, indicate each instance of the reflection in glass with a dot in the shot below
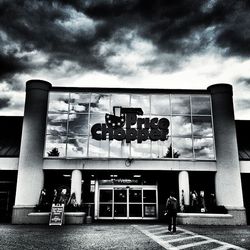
(183, 147)
(77, 147)
(78, 124)
(135, 195)
(140, 150)
(105, 210)
(120, 195)
(203, 148)
(160, 105)
(160, 148)
(201, 105)
(58, 102)
(181, 126)
(202, 126)
(96, 118)
(119, 100)
(79, 102)
(180, 104)
(141, 101)
(52, 142)
(119, 149)
(98, 148)
(100, 103)
(57, 124)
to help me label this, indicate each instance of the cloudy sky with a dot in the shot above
(124, 43)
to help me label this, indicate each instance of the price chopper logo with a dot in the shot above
(140, 129)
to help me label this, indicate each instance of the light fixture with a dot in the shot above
(128, 162)
(66, 175)
(137, 176)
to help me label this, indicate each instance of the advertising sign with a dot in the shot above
(125, 124)
(56, 215)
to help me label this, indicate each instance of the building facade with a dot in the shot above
(121, 151)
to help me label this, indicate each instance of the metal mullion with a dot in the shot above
(192, 132)
(67, 133)
(90, 95)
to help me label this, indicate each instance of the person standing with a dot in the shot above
(171, 207)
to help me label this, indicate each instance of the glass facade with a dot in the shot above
(72, 115)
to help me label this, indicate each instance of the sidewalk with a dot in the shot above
(119, 235)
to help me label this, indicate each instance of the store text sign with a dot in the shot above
(125, 124)
(56, 215)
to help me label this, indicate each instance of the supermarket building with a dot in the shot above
(121, 151)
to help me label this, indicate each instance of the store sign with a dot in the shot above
(136, 128)
(56, 215)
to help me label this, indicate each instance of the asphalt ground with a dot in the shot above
(119, 235)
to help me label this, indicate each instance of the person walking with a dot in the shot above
(171, 207)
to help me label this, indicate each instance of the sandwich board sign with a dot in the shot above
(56, 215)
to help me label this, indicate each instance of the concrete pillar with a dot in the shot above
(30, 168)
(184, 185)
(76, 184)
(228, 186)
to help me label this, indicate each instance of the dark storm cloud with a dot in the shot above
(179, 27)
(244, 80)
(4, 102)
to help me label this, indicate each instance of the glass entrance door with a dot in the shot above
(119, 202)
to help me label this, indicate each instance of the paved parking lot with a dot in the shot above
(122, 236)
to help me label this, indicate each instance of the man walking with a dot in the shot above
(171, 207)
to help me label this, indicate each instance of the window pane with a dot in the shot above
(100, 103)
(119, 100)
(78, 124)
(105, 195)
(120, 195)
(149, 196)
(57, 124)
(58, 102)
(55, 146)
(119, 149)
(98, 148)
(180, 104)
(202, 126)
(203, 148)
(141, 101)
(182, 148)
(181, 126)
(96, 118)
(77, 147)
(135, 210)
(160, 105)
(120, 210)
(135, 195)
(160, 149)
(201, 105)
(149, 210)
(105, 210)
(140, 150)
(79, 102)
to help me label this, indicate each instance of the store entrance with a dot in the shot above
(128, 202)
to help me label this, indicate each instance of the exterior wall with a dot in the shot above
(9, 163)
(245, 167)
(30, 167)
(31, 162)
(50, 164)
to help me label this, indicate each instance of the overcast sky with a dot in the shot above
(124, 43)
